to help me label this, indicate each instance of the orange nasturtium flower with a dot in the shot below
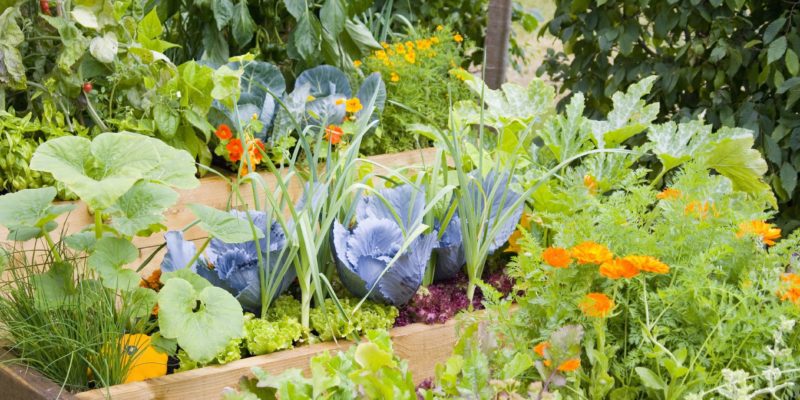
(146, 363)
(768, 232)
(556, 257)
(458, 38)
(223, 132)
(235, 149)
(647, 264)
(590, 183)
(618, 268)
(256, 148)
(669, 193)
(596, 305)
(570, 365)
(333, 134)
(591, 253)
(153, 281)
(540, 348)
(353, 105)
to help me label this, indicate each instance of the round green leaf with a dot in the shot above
(203, 322)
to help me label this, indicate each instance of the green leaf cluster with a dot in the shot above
(329, 322)
(733, 62)
(368, 370)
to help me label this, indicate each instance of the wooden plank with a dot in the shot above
(19, 382)
(423, 346)
(213, 192)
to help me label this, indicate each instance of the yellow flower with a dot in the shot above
(399, 48)
(435, 40)
(385, 45)
(339, 102)
(353, 105)
(310, 98)
(439, 28)
(411, 58)
(254, 116)
(394, 77)
(768, 232)
(357, 63)
(410, 45)
(458, 38)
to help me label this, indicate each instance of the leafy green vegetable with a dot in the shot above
(267, 336)
(331, 324)
(202, 321)
(109, 259)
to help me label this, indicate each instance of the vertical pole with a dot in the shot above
(498, 33)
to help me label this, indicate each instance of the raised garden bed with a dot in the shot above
(423, 346)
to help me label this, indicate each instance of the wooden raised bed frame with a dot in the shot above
(423, 346)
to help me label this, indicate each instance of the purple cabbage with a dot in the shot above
(364, 252)
(234, 266)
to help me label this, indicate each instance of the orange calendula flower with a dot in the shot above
(700, 209)
(590, 183)
(768, 232)
(556, 257)
(353, 105)
(569, 365)
(513, 240)
(596, 305)
(591, 253)
(791, 288)
(145, 361)
(669, 193)
(540, 348)
(647, 264)
(235, 149)
(223, 132)
(619, 268)
(333, 134)
(458, 38)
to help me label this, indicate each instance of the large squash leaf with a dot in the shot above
(202, 321)
(141, 207)
(109, 259)
(224, 226)
(104, 169)
(630, 115)
(29, 213)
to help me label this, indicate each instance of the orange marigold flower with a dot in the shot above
(540, 348)
(591, 253)
(547, 363)
(556, 257)
(768, 232)
(619, 268)
(648, 264)
(235, 149)
(458, 38)
(333, 134)
(223, 132)
(669, 193)
(596, 305)
(570, 365)
(353, 105)
(590, 183)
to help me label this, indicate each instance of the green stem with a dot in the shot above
(305, 307)
(92, 113)
(98, 225)
(52, 245)
(198, 253)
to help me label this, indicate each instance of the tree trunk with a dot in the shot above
(498, 32)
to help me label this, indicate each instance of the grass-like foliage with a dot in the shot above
(78, 340)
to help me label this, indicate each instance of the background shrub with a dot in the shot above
(735, 61)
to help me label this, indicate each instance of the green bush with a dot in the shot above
(735, 62)
(417, 78)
